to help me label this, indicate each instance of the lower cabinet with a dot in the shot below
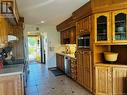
(79, 67)
(87, 70)
(60, 61)
(110, 80)
(84, 69)
(119, 80)
(11, 85)
(103, 80)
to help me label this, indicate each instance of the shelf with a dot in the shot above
(102, 23)
(108, 64)
(120, 33)
(121, 21)
(101, 33)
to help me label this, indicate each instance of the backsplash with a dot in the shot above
(71, 47)
(68, 48)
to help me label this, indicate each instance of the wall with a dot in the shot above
(53, 41)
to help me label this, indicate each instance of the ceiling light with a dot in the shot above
(42, 22)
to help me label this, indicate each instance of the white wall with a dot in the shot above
(53, 43)
(53, 40)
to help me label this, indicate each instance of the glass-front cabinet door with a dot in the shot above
(120, 26)
(102, 28)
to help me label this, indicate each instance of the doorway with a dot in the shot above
(37, 47)
(34, 48)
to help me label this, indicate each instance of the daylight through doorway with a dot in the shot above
(34, 48)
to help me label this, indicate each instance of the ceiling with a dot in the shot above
(52, 12)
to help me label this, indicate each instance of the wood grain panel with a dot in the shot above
(119, 80)
(79, 67)
(82, 12)
(11, 85)
(103, 77)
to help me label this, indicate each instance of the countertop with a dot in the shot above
(12, 70)
(68, 55)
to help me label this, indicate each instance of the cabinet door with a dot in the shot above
(119, 80)
(119, 26)
(102, 28)
(72, 36)
(87, 70)
(79, 67)
(103, 80)
(79, 27)
(3, 31)
(11, 85)
(87, 24)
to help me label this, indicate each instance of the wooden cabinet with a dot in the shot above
(73, 69)
(60, 61)
(103, 80)
(4, 28)
(68, 36)
(102, 28)
(11, 85)
(119, 28)
(84, 69)
(79, 67)
(111, 27)
(119, 80)
(83, 26)
(110, 79)
(73, 36)
(87, 72)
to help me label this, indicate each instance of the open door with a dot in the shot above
(34, 47)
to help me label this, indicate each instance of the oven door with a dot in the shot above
(81, 42)
(87, 42)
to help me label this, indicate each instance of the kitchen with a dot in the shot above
(88, 46)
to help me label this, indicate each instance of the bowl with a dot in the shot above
(110, 56)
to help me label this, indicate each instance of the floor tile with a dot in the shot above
(42, 82)
(32, 91)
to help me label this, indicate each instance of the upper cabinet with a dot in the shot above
(68, 36)
(111, 27)
(67, 31)
(119, 19)
(83, 26)
(102, 29)
(4, 28)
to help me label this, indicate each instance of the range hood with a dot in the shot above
(12, 38)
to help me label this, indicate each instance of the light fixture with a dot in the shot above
(42, 21)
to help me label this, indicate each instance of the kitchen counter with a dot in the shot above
(12, 70)
(68, 55)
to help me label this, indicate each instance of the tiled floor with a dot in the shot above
(42, 82)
